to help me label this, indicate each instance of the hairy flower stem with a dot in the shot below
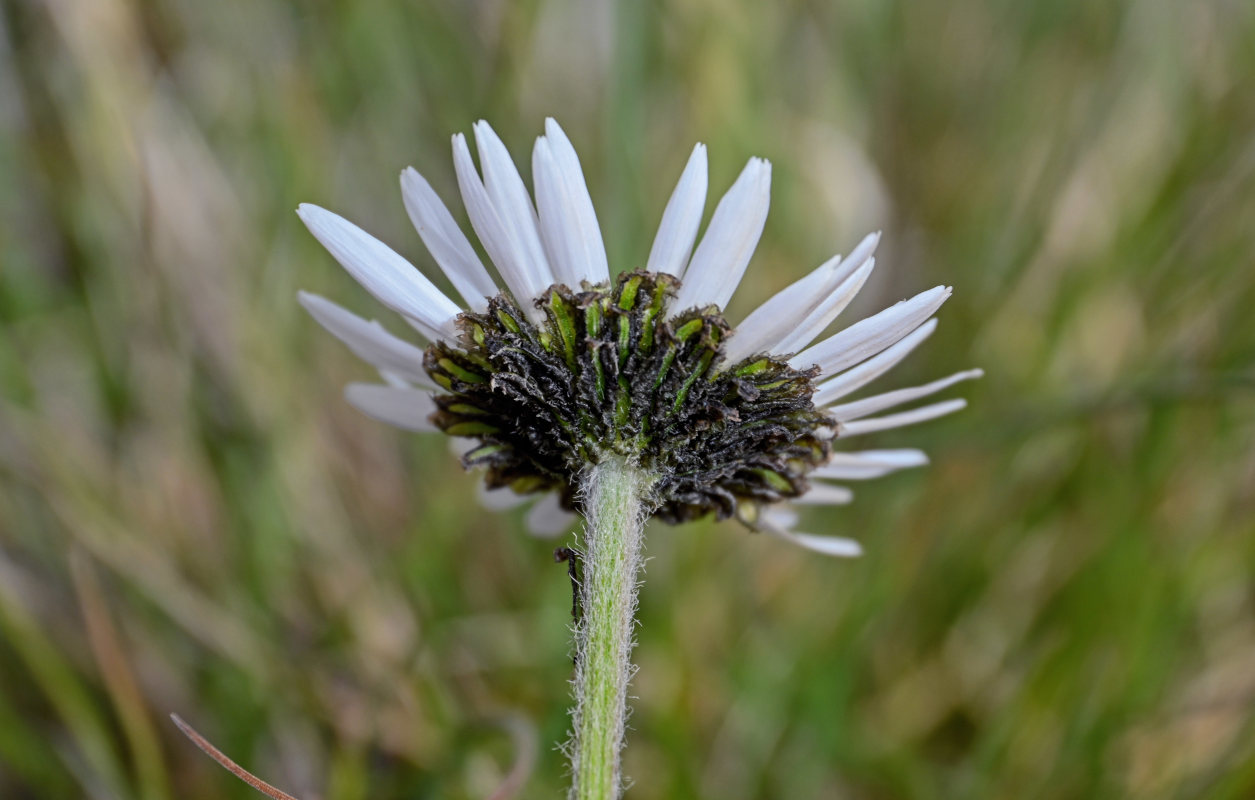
(614, 492)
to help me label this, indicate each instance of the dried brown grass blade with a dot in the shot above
(229, 765)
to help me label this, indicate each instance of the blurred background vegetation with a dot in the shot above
(192, 519)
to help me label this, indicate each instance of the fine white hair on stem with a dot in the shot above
(613, 493)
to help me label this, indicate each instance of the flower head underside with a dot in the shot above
(563, 366)
(608, 372)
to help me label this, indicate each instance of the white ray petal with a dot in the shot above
(798, 313)
(681, 219)
(510, 260)
(835, 472)
(868, 337)
(868, 464)
(901, 458)
(513, 203)
(445, 241)
(591, 264)
(461, 445)
(911, 417)
(396, 379)
(828, 545)
(773, 320)
(856, 378)
(499, 499)
(389, 277)
(729, 241)
(571, 248)
(823, 494)
(870, 405)
(404, 408)
(558, 227)
(897, 458)
(779, 516)
(778, 521)
(823, 314)
(863, 250)
(368, 340)
(547, 518)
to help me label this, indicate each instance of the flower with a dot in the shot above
(566, 364)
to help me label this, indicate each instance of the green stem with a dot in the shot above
(613, 497)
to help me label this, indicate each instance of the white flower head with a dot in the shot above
(551, 365)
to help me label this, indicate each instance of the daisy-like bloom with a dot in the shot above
(558, 365)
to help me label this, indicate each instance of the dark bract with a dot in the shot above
(607, 372)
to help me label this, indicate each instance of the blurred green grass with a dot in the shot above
(192, 520)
